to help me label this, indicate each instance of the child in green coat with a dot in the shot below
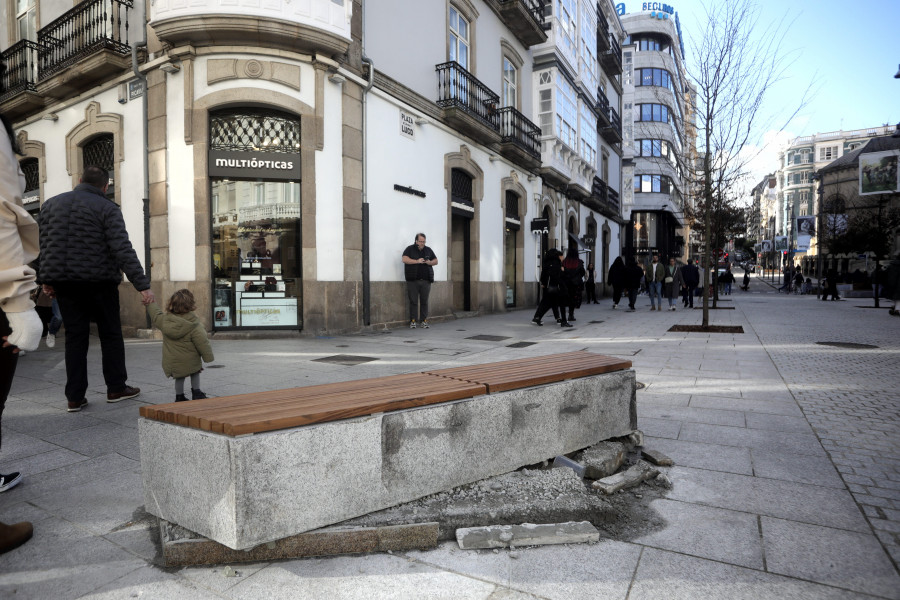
(184, 342)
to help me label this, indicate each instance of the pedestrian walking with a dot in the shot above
(418, 268)
(690, 273)
(831, 281)
(892, 284)
(573, 269)
(590, 289)
(634, 274)
(617, 280)
(727, 280)
(798, 281)
(84, 250)
(552, 288)
(656, 274)
(184, 342)
(745, 284)
(20, 326)
(673, 281)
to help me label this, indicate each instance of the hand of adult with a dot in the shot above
(147, 297)
(49, 291)
(26, 331)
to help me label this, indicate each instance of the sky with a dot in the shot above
(848, 50)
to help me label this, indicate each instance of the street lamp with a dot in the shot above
(820, 231)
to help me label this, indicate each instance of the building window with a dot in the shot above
(588, 67)
(254, 131)
(654, 77)
(99, 152)
(545, 111)
(653, 112)
(566, 111)
(31, 169)
(648, 184)
(459, 38)
(828, 153)
(588, 124)
(26, 19)
(567, 14)
(510, 84)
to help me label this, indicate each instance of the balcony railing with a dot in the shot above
(602, 109)
(602, 31)
(518, 130)
(21, 60)
(84, 30)
(611, 130)
(534, 7)
(460, 89)
(612, 58)
(613, 199)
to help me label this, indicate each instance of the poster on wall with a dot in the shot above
(766, 246)
(781, 243)
(222, 316)
(878, 172)
(806, 225)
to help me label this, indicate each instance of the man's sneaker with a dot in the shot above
(425, 324)
(412, 324)
(197, 395)
(180, 398)
(615, 306)
(51, 340)
(128, 392)
(9, 481)
(77, 406)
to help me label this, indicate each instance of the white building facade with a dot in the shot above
(656, 149)
(277, 158)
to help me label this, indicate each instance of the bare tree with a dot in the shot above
(736, 63)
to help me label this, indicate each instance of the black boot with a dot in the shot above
(571, 316)
(566, 324)
(197, 395)
(537, 321)
(180, 398)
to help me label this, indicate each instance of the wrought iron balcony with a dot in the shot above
(602, 110)
(525, 18)
(519, 137)
(602, 32)
(612, 132)
(613, 200)
(89, 28)
(469, 105)
(21, 74)
(611, 60)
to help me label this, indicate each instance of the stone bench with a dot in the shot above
(254, 468)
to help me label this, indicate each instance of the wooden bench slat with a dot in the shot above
(309, 397)
(278, 409)
(317, 405)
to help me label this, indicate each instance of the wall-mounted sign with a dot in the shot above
(588, 241)
(542, 225)
(254, 165)
(407, 125)
(409, 190)
(135, 89)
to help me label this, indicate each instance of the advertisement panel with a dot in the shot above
(878, 172)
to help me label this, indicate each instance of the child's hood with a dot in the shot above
(178, 326)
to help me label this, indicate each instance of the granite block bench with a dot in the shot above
(254, 468)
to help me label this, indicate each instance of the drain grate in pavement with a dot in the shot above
(521, 344)
(488, 338)
(638, 385)
(848, 345)
(348, 360)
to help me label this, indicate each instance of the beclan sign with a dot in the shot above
(282, 166)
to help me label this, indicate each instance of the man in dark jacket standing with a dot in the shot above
(418, 260)
(84, 249)
(691, 275)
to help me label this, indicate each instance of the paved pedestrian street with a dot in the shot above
(786, 442)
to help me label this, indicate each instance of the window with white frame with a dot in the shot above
(566, 110)
(567, 15)
(26, 19)
(510, 84)
(588, 67)
(545, 110)
(459, 39)
(588, 135)
(828, 152)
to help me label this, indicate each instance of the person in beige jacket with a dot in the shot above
(20, 326)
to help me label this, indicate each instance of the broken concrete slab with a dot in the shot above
(182, 548)
(642, 471)
(529, 495)
(563, 462)
(526, 534)
(603, 459)
(657, 458)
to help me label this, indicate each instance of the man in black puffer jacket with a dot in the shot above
(84, 249)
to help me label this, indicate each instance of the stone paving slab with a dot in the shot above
(713, 457)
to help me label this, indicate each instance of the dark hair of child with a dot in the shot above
(181, 302)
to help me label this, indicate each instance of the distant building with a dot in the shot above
(799, 160)
(655, 99)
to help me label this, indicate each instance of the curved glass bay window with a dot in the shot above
(254, 172)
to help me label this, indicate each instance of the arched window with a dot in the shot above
(252, 131)
(99, 151)
(461, 187)
(31, 169)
